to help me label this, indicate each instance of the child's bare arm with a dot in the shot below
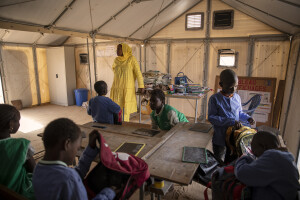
(30, 164)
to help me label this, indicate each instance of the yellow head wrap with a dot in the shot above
(127, 52)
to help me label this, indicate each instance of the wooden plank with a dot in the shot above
(114, 140)
(115, 135)
(127, 128)
(165, 163)
(278, 104)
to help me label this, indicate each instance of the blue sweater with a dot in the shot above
(222, 113)
(102, 109)
(272, 176)
(54, 180)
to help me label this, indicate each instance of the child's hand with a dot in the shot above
(141, 91)
(251, 121)
(237, 125)
(93, 138)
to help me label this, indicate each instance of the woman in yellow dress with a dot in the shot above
(126, 71)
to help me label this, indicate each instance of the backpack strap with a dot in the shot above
(205, 191)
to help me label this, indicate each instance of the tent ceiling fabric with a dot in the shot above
(132, 19)
(280, 14)
(25, 37)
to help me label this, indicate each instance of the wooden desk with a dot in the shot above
(115, 135)
(178, 97)
(165, 163)
(162, 153)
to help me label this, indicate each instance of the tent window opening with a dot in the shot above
(227, 58)
(223, 19)
(194, 21)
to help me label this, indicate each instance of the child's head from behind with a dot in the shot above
(101, 88)
(157, 99)
(63, 138)
(228, 81)
(9, 118)
(263, 141)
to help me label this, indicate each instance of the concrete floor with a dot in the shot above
(34, 120)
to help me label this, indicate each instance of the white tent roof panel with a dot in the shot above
(134, 17)
(282, 16)
(279, 9)
(52, 39)
(78, 18)
(37, 12)
(20, 36)
(165, 18)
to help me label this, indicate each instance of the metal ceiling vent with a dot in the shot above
(223, 19)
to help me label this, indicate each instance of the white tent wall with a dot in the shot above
(289, 121)
(82, 70)
(105, 55)
(268, 58)
(156, 58)
(43, 75)
(19, 73)
(243, 25)
(187, 58)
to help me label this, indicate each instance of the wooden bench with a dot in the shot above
(6, 193)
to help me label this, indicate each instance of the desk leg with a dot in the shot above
(142, 188)
(196, 110)
(140, 108)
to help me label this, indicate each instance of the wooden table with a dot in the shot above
(165, 163)
(162, 153)
(187, 96)
(115, 135)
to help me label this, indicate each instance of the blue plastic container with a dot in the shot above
(81, 95)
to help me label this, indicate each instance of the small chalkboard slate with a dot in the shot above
(130, 148)
(194, 155)
(201, 127)
(146, 132)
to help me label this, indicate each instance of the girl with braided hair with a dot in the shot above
(16, 154)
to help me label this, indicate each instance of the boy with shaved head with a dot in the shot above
(225, 110)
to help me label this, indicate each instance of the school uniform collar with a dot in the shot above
(53, 162)
(161, 110)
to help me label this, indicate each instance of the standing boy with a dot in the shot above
(225, 110)
(102, 108)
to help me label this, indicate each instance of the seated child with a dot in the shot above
(273, 175)
(103, 109)
(225, 110)
(17, 162)
(52, 178)
(163, 116)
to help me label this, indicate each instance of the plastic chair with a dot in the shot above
(254, 103)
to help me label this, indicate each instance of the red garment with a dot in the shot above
(124, 163)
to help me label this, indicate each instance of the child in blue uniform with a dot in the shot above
(225, 110)
(274, 174)
(163, 116)
(52, 178)
(103, 109)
